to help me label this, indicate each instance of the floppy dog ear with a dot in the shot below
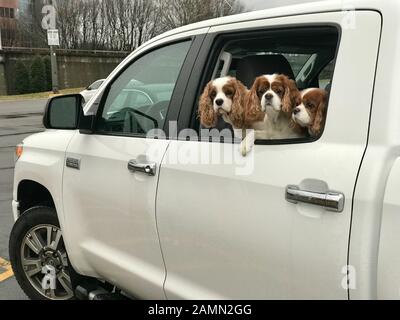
(297, 128)
(207, 115)
(319, 120)
(292, 97)
(238, 104)
(252, 105)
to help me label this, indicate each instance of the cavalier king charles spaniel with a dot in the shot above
(274, 109)
(223, 97)
(270, 105)
(269, 109)
(311, 112)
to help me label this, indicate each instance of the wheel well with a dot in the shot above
(32, 194)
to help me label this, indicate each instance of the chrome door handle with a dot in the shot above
(147, 168)
(331, 201)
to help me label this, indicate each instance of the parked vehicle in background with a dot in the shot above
(91, 90)
(314, 218)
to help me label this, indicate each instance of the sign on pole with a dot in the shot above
(53, 40)
(53, 37)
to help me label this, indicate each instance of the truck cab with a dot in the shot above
(143, 201)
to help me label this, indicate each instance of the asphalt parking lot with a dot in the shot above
(18, 119)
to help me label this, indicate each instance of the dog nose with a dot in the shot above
(269, 96)
(219, 102)
(296, 111)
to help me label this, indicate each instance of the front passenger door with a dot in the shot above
(109, 198)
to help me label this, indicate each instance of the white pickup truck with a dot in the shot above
(104, 208)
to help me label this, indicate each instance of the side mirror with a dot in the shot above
(66, 113)
(63, 112)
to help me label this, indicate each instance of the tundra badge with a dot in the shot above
(73, 163)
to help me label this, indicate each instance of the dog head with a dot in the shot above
(223, 97)
(274, 93)
(311, 112)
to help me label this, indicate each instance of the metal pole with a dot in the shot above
(54, 70)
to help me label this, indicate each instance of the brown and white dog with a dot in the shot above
(311, 112)
(223, 97)
(270, 105)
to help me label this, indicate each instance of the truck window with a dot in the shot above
(325, 77)
(304, 56)
(138, 100)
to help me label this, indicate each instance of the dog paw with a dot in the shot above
(245, 148)
(243, 151)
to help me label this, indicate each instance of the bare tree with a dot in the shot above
(122, 25)
(147, 22)
(9, 31)
(69, 18)
(177, 13)
(29, 29)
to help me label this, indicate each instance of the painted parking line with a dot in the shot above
(5, 270)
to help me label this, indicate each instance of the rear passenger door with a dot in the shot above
(226, 229)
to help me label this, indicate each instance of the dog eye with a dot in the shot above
(309, 105)
(229, 93)
(279, 91)
(213, 95)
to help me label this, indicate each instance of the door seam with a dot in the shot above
(156, 219)
(364, 154)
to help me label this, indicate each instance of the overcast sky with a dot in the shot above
(264, 4)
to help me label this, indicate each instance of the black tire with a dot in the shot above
(31, 219)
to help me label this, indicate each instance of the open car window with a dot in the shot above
(297, 62)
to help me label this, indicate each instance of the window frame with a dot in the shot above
(208, 58)
(317, 79)
(95, 83)
(177, 94)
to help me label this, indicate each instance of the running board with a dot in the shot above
(91, 292)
